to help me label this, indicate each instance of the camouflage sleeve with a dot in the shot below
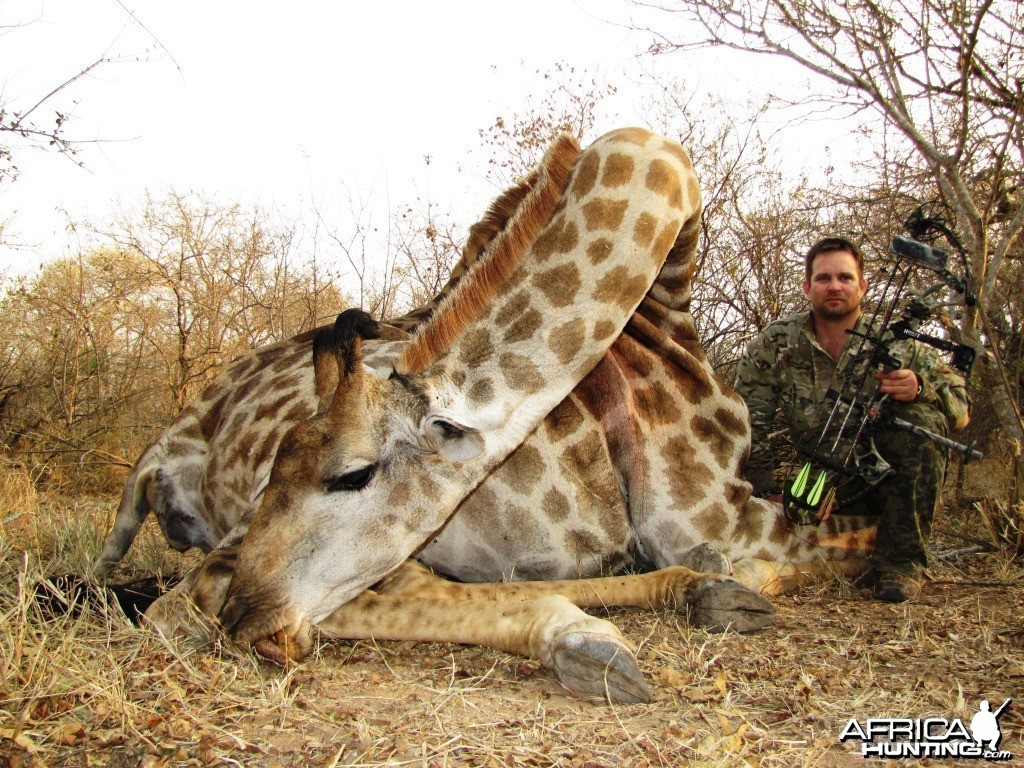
(757, 383)
(942, 386)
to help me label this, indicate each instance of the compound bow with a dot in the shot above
(842, 463)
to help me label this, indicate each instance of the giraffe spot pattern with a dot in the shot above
(618, 170)
(603, 213)
(749, 522)
(599, 250)
(284, 363)
(515, 280)
(731, 422)
(524, 327)
(513, 308)
(523, 468)
(712, 521)
(678, 153)
(560, 284)
(238, 453)
(270, 409)
(428, 487)
(645, 229)
(481, 503)
(179, 447)
(688, 477)
(521, 374)
(266, 450)
(481, 392)
(656, 405)
(689, 373)
(636, 136)
(780, 533)
(585, 459)
(586, 175)
(560, 236)
(193, 431)
(477, 348)
(618, 287)
(520, 520)
(663, 179)
(717, 440)
(665, 239)
(563, 421)
(603, 329)
(399, 495)
(693, 191)
(565, 340)
(298, 412)
(212, 392)
(584, 544)
(639, 358)
(555, 505)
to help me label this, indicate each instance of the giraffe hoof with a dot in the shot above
(719, 605)
(592, 664)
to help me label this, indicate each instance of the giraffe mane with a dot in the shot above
(502, 237)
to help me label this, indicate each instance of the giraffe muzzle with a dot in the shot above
(272, 633)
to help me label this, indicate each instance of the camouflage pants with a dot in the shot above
(907, 500)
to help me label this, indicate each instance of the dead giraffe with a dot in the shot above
(554, 418)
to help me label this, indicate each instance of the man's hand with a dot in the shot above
(901, 385)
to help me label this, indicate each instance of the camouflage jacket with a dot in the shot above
(786, 369)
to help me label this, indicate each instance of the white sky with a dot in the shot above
(282, 103)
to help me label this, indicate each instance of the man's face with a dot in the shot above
(836, 288)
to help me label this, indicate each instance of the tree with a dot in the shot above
(571, 105)
(74, 363)
(226, 277)
(99, 351)
(947, 79)
(36, 122)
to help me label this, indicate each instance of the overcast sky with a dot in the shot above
(282, 103)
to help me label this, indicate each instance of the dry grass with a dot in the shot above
(90, 690)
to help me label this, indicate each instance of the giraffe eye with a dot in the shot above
(355, 480)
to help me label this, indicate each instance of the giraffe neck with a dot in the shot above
(569, 293)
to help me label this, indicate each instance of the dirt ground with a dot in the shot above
(90, 690)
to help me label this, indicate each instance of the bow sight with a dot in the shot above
(842, 463)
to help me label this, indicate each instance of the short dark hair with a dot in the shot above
(833, 245)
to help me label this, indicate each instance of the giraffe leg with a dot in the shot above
(713, 601)
(131, 513)
(190, 607)
(588, 655)
(768, 578)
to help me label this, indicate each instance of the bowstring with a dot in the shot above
(872, 324)
(866, 368)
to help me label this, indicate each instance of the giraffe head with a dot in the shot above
(350, 493)
(359, 487)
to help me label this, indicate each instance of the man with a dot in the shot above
(794, 362)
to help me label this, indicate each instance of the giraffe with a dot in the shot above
(551, 422)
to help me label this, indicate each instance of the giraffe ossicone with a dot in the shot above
(548, 422)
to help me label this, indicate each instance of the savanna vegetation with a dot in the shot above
(100, 350)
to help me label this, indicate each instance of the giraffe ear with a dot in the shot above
(453, 440)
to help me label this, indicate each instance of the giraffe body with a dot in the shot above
(553, 417)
